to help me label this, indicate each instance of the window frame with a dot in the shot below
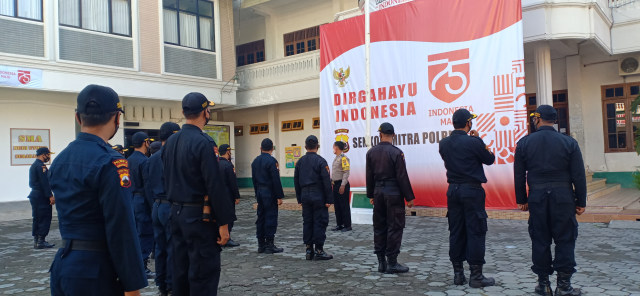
(259, 128)
(314, 125)
(292, 125)
(556, 105)
(238, 131)
(627, 98)
(110, 12)
(15, 12)
(253, 49)
(303, 37)
(177, 10)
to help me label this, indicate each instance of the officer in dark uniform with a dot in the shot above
(551, 163)
(142, 204)
(228, 175)
(388, 187)
(119, 149)
(161, 210)
(313, 191)
(201, 210)
(155, 147)
(91, 183)
(463, 157)
(41, 198)
(265, 174)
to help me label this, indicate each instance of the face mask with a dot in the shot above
(117, 126)
(534, 128)
(208, 118)
(47, 158)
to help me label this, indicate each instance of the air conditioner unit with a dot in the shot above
(629, 66)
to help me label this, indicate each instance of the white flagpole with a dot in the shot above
(367, 54)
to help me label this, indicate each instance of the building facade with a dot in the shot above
(576, 55)
(150, 52)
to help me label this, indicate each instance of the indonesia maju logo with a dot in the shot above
(24, 77)
(341, 76)
(449, 74)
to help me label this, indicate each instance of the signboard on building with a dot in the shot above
(292, 155)
(25, 142)
(20, 77)
(437, 57)
(219, 133)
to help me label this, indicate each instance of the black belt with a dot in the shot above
(477, 185)
(549, 185)
(162, 201)
(391, 182)
(82, 245)
(188, 204)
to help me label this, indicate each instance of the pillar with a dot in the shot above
(542, 63)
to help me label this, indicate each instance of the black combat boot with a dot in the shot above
(564, 286)
(477, 279)
(261, 245)
(458, 274)
(309, 252)
(42, 244)
(544, 286)
(35, 242)
(394, 267)
(270, 247)
(382, 263)
(150, 274)
(321, 254)
(231, 244)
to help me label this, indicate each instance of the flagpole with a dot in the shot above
(367, 54)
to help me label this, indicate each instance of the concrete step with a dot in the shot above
(608, 189)
(589, 176)
(596, 184)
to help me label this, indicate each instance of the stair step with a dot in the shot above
(609, 188)
(596, 184)
(589, 176)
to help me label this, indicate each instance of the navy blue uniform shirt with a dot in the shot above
(154, 177)
(265, 172)
(385, 162)
(312, 171)
(191, 172)
(93, 199)
(228, 174)
(39, 179)
(549, 156)
(463, 157)
(137, 161)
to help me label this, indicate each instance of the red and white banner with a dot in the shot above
(428, 58)
(20, 77)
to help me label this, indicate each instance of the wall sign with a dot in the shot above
(25, 142)
(20, 77)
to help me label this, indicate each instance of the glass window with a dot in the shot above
(634, 90)
(26, 9)
(189, 23)
(311, 45)
(289, 50)
(620, 121)
(240, 61)
(260, 56)
(107, 16)
(300, 47)
(250, 59)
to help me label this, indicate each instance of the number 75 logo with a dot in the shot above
(449, 74)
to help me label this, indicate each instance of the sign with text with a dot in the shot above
(219, 133)
(25, 142)
(292, 155)
(20, 77)
(428, 59)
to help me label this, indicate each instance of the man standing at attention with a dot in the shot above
(201, 211)
(265, 174)
(41, 198)
(388, 187)
(463, 157)
(91, 182)
(228, 175)
(551, 163)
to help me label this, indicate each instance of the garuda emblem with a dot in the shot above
(341, 76)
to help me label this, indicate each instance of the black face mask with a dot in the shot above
(534, 128)
(46, 159)
(117, 126)
(208, 118)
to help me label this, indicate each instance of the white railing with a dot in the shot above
(619, 3)
(281, 71)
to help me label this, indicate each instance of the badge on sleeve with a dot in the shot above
(122, 167)
(345, 164)
(44, 168)
(327, 167)
(277, 166)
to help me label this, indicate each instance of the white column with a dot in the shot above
(542, 62)
(575, 97)
(274, 131)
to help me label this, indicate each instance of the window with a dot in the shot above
(316, 122)
(293, 125)
(189, 23)
(619, 131)
(560, 102)
(238, 131)
(261, 128)
(252, 52)
(26, 9)
(107, 16)
(301, 41)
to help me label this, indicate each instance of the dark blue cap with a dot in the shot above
(42, 151)
(311, 140)
(545, 112)
(462, 116)
(194, 103)
(266, 145)
(139, 138)
(222, 150)
(167, 129)
(386, 128)
(119, 148)
(154, 147)
(97, 99)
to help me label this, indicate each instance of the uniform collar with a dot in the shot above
(547, 128)
(222, 158)
(91, 138)
(191, 127)
(38, 160)
(458, 132)
(385, 143)
(312, 152)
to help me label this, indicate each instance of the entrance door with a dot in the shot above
(560, 102)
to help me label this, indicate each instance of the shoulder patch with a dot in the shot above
(277, 166)
(125, 178)
(327, 167)
(121, 163)
(345, 164)
(44, 168)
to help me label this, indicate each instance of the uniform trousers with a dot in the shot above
(467, 223)
(388, 219)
